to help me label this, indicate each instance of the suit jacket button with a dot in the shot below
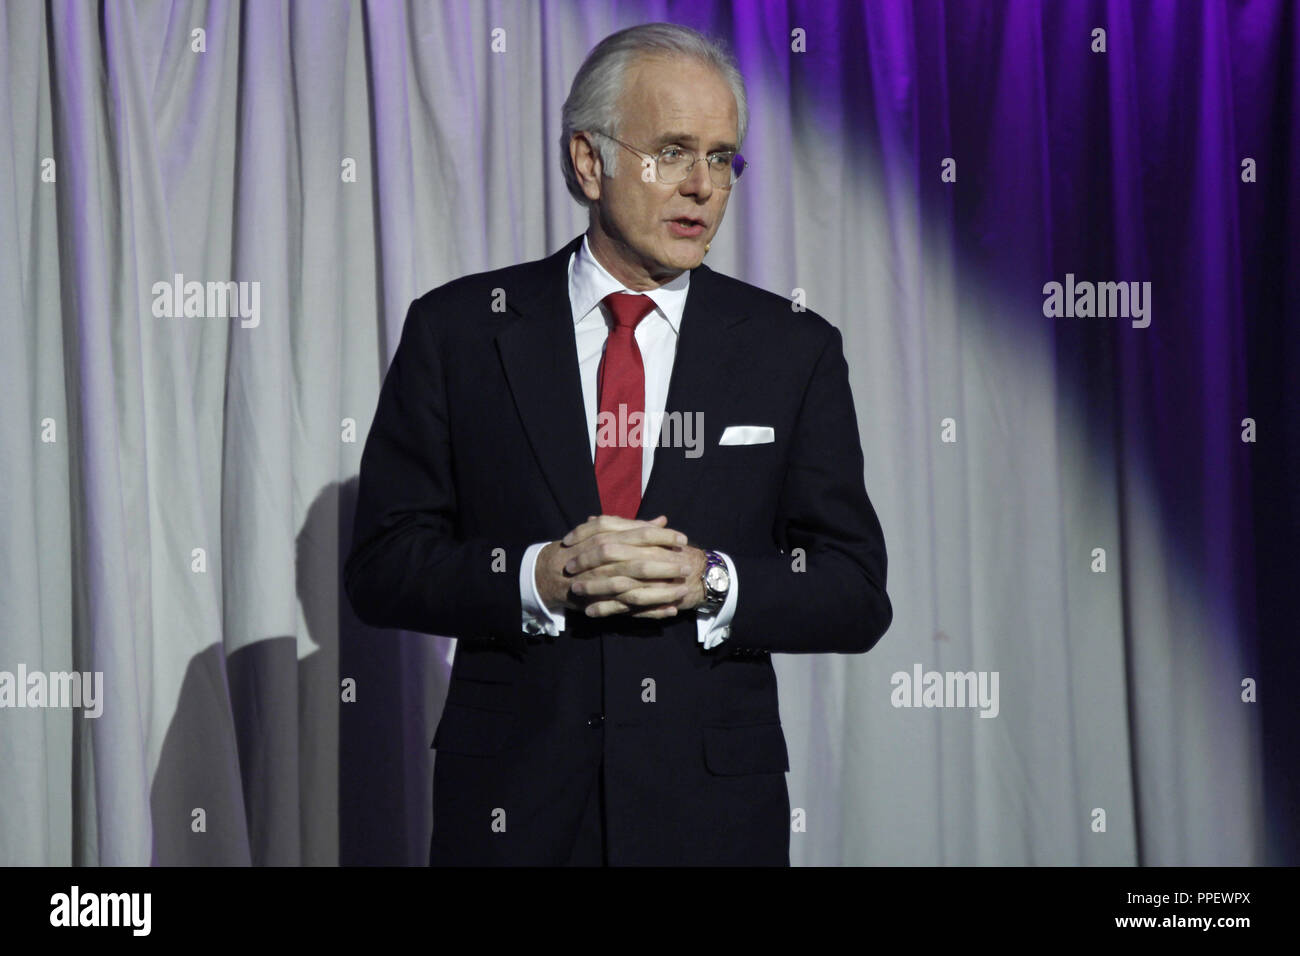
(595, 720)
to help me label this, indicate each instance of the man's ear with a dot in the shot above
(586, 164)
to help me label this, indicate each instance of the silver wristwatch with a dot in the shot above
(716, 583)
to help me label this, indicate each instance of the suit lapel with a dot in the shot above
(701, 377)
(539, 358)
(539, 354)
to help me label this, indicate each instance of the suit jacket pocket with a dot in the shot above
(468, 730)
(748, 748)
(761, 455)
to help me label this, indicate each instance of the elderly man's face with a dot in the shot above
(665, 102)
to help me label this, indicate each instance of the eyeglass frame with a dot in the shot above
(744, 163)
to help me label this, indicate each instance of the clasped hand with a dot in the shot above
(611, 565)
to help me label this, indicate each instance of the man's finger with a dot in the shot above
(599, 523)
(638, 599)
(597, 580)
(633, 559)
(608, 608)
(652, 534)
(617, 586)
(664, 610)
(647, 562)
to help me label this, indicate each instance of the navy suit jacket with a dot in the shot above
(479, 447)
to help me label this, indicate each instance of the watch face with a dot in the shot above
(717, 578)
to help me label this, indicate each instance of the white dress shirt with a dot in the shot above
(656, 337)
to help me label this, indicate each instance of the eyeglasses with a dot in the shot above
(673, 164)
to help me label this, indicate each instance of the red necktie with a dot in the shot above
(621, 381)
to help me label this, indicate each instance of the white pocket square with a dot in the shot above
(747, 435)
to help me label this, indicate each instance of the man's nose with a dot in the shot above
(698, 182)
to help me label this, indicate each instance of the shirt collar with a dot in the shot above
(590, 282)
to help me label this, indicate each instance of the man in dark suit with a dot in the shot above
(621, 480)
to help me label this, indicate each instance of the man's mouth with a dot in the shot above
(687, 226)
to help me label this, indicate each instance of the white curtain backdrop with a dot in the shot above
(177, 491)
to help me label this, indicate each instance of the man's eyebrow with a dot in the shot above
(690, 140)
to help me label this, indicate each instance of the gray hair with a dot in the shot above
(593, 98)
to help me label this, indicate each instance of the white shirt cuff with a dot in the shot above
(538, 619)
(716, 628)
